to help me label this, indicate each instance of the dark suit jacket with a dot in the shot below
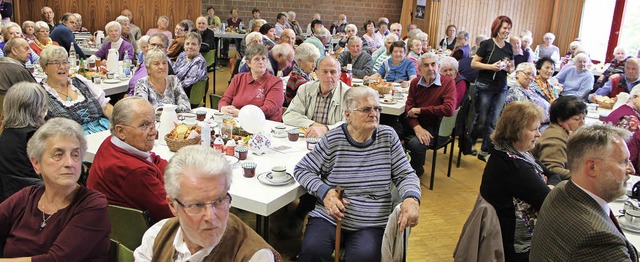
(572, 226)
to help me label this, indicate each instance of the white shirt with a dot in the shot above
(603, 204)
(145, 251)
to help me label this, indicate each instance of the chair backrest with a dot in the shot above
(210, 57)
(125, 254)
(128, 225)
(198, 91)
(447, 124)
(214, 99)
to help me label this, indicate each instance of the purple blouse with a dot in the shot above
(125, 46)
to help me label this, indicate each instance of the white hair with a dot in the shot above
(113, 24)
(351, 27)
(549, 35)
(447, 60)
(393, 37)
(523, 66)
(199, 161)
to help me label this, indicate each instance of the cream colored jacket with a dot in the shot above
(300, 111)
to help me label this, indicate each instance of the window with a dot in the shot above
(595, 27)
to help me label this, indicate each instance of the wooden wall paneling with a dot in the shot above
(407, 15)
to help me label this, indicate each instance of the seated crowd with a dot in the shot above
(529, 120)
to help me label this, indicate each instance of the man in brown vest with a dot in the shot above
(197, 181)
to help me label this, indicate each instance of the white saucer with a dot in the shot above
(393, 101)
(111, 81)
(264, 178)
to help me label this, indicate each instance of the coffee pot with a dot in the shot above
(99, 35)
(112, 60)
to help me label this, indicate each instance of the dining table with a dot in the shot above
(249, 194)
(117, 85)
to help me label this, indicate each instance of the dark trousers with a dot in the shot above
(225, 46)
(318, 242)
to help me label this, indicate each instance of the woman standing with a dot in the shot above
(493, 62)
(514, 182)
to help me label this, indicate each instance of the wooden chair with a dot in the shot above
(128, 225)
(198, 92)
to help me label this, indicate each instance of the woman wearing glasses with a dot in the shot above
(627, 116)
(42, 39)
(59, 220)
(366, 204)
(158, 87)
(73, 97)
(522, 90)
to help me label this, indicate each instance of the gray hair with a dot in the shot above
(283, 49)
(111, 25)
(527, 38)
(25, 104)
(322, 33)
(413, 33)
(41, 25)
(422, 36)
(581, 56)
(381, 19)
(189, 23)
(354, 38)
(635, 91)
(5, 29)
(291, 14)
(15, 42)
(393, 37)
(253, 36)
(78, 15)
(481, 38)
(305, 51)
(122, 19)
(354, 94)
(52, 52)
(143, 39)
(549, 35)
(447, 60)
(523, 66)
(428, 55)
(162, 37)
(255, 50)
(575, 44)
(592, 140)
(58, 126)
(618, 48)
(199, 161)
(193, 35)
(165, 18)
(123, 112)
(27, 23)
(463, 34)
(351, 27)
(154, 55)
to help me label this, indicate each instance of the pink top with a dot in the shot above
(265, 92)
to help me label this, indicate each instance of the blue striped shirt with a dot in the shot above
(364, 170)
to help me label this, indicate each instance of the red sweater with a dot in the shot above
(434, 101)
(265, 92)
(129, 180)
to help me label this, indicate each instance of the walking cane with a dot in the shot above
(338, 226)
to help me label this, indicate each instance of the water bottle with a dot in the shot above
(206, 135)
(126, 64)
(72, 56)
(223, 27)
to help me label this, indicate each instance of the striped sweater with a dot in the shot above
(364, 170)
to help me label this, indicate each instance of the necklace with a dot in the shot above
(44, 219)
(68, 98)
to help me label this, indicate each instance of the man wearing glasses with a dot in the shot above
(157, 41)
(431, 97)
(124, 169)
(63, 34)
(197, 181)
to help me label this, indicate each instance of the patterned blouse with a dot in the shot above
(543, 87)
(190, 72)
(517, 93)
(173, 94)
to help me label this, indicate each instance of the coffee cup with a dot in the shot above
(249, 169)
(294, 134)
(201, 115)
(278, 173)
(279, 131)
(189, 119)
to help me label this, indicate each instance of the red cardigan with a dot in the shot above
(265, 92)
(434, 101)
(129, 180)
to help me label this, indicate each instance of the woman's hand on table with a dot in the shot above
(230, 110)
(409, 213)
(333, 205)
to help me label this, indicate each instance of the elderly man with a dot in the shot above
(339, 26)
(208, 41)
(281, 23)
(63, 34)
(318, 104)
(280, 60)
(197, 181)
(127, 35)
(135, 30)
(431, 97)
(620, 84)
(575, 222)
(124, 169)
(288, 36)
(12, 70)
(396, 28)
(47, 16)
(80, 28)
(320, 38)
(294, 24)
(362, 64)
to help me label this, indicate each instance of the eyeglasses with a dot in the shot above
(222, 204)
(58, 63)
(144, 127)
(527, 73)
(369, 109)
(154, 45)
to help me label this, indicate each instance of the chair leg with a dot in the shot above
(433, 168)
(453, 143)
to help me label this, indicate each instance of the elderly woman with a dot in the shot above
(620, 57)
(305, 62)
(577, 80)
(397, 68)
(256, 87)
(627, 116)
(163, 24)
(190, 67)
(114, 41)
(177, 45)
(54, 221)
(526, 46)
(575, 48)
(415, 50)
(567, 114)
(374, 40)
(541, 84)
(158, 87)
(514, 182)
(462, 48)
(28, 27)
(548, 49)
(383, 54)
(449, 41)
(143, 47)
(522, 90)
(127, 35)
(24, 108)
(449, 67)
(361, 62)
(75, 97)
(493, 62)
(12, 30)
(42, 39)
(479, 39)
(367, 203)
(349, 31)
(253, 38)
